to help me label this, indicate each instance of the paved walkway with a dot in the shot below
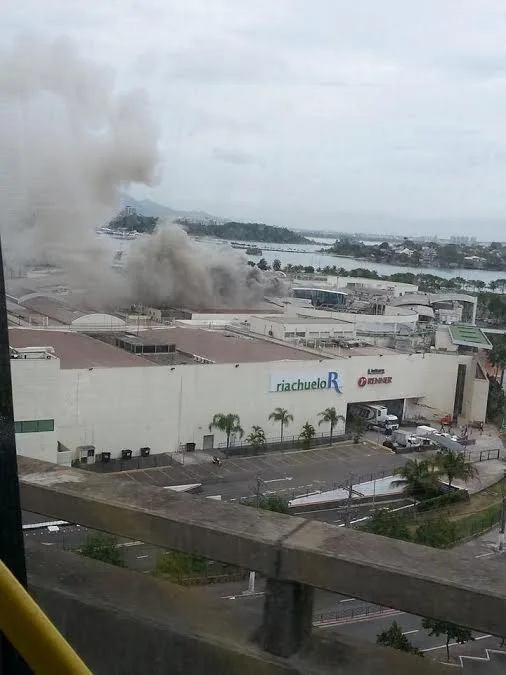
(489, 473)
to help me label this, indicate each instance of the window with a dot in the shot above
(29, 427)
(45, 425)
(33, 426)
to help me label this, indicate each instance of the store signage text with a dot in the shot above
(327, 379)
(378, 377)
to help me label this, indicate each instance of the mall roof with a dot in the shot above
(75, 350)
(315, 320)
(227, 347)
(465, 335)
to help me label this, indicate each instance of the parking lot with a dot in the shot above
(291, 473)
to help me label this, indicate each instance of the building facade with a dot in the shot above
(165, 407)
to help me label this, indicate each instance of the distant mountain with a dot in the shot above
(151, 209)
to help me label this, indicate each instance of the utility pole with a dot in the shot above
(500, 540)
(348, 503)
(258, 493)
(12, 551)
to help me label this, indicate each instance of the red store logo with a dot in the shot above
(362, 381)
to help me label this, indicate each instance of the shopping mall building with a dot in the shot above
(160, 388)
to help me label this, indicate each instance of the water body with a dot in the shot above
(308, 254)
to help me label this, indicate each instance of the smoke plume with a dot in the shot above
(169, 268)
(69, 142)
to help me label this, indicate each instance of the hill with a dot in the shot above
(235, 231)
(151, 209)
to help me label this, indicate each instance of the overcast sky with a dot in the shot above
(296, 111)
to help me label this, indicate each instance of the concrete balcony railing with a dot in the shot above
(294, 554)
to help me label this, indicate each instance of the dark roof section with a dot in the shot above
(75, 350)
(226, 347)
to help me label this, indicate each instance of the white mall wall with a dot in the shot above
(35, 393)
(263, 326)
(395, 288)
(163, 407)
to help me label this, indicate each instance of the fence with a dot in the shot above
(363, 610)
(280, 445)
(482, 455)
(113, 465)
(354, 480)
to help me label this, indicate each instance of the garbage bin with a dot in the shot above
(190, 447)
(126, 454)
(145, 452)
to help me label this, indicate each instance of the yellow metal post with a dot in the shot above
(32, 634)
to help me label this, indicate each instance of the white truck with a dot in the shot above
(406, 439)
(375, 415)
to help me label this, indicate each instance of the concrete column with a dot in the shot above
(288, 616)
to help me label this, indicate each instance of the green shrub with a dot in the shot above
(388, 524)
(436, 532)
(446, 499)
(479, 521)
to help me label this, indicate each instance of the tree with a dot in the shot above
(436, 533)
(499, 283)
(358, 427)
(283, 417)
(275, 503)
(276, 265)
(228, 423)
(262, 264)
(388, 524)
(256, 438)
(307, 434)
(329, 416)
(454, 465)
(453, 632)
(394, 638)
(419, 479)
(177, 565)
(497, 356)
(102, 547)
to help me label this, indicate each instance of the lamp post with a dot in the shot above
(11, 530)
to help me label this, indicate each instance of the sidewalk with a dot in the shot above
(489, 473)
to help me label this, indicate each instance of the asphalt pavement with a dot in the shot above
(289, 473)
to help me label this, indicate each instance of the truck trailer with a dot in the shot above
(375, 415)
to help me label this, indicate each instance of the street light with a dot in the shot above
(11, 530)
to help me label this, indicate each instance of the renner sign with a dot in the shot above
(323, 379)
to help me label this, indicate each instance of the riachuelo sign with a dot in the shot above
(306, 381)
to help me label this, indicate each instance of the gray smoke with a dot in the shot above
(169, 268)
(69, 142)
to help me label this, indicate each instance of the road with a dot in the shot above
(137, 555)
(340, 614)
(290, 473)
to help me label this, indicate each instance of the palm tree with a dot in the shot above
(229, 424)
(283, 417)
(256, 438)
(330, 416)
(454, 465)
(419, 479)
(497, 356)
(307, 434)
(357, 427)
